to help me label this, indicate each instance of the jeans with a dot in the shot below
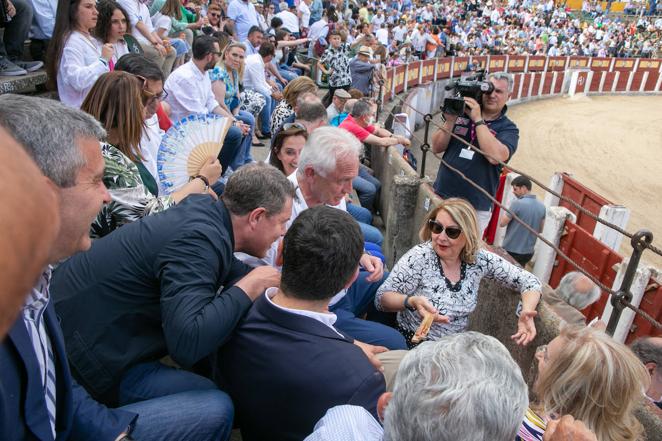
(364, 218)
(357, 301)
(287, 73)
(231, 149)
(16, 31)
(367, 187)
(175, 404)
(265, 114)
(244, 154)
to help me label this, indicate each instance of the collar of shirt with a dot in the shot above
(36, 303)
(327, 318)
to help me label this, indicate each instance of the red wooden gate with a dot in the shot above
(584, 196)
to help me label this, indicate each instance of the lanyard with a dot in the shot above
(472, 131)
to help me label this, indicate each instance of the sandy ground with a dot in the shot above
(611, 144)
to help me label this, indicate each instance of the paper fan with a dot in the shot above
(187, 145)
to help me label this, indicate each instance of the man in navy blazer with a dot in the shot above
(286, 364)
(39, 400)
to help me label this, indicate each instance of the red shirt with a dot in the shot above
(164, 121)
(352, 127)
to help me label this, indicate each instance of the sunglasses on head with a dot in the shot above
(294, 125)
(437, 228)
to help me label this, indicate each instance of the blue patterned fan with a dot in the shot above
(186, 147)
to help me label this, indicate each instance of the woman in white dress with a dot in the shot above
(76, 58)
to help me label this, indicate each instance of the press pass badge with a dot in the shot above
(467, 154)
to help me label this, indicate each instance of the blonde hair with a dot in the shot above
(221, 61)
(465, 216)
(297, 87)
(596, 380)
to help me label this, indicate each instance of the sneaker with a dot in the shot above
(10, 69)
(30, 66)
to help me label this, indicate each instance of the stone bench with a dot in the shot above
(24, 83)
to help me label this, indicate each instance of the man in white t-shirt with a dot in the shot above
(290, 20)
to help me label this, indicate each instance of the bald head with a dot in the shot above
(578, 290)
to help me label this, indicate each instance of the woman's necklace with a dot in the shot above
(456, 274)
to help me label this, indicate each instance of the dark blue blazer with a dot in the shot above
(24, 415)
(284, 371)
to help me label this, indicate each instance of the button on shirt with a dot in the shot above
(189, 92)
(244, 16)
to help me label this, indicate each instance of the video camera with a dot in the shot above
(474, 87)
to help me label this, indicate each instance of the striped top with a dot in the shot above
(532, 428)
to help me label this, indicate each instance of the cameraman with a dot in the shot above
(487, 128)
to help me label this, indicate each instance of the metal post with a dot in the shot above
(379, 98)
(425, 147)
(640, 241)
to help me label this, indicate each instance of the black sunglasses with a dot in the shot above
(437, 228)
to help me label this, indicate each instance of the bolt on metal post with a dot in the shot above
(425, 147)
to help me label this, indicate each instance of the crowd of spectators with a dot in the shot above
(256, 295)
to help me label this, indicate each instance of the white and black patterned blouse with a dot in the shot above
(419, 273)
(281, 112)
(338, 60)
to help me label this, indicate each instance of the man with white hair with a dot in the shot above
(574, 293)
(463, 387)
(649, 351)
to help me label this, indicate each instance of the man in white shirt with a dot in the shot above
(400, 32)
(254, 40)
(382, 34)
(303, 11)
(255, 79)
(241, 15)
(337, 106)
(290, 20)
(318, 32)
(189, 93)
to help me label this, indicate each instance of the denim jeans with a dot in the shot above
(367, 187)
(265, 114)
(16, 31)
(174, 404)
(364, 218)
(357, 301)
(244, 155)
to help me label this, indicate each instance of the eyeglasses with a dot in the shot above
(437, 228)
(152, 97)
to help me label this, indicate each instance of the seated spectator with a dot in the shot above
(117, 100)
(182, 21)
(339, 118)
(111, 26)
(163, 27)
(335, 63)
(76, 59)
(225, 78)
(290, 19)
(64, 142)
(155, 283)
(286, 148)
(16, 26)
(520, 242)
(585, 373)
(285, 109)
(362, 69)
(462, 387)
(255, 79)
(328, 163)
(337, 105)
(441, 276)
(254, 40)
(290, 329)
(308, 111)
(143, 31)
(649, 351)
(285, 59)
(360, 123)
(214, 19)
(189, 92)
(574, 293)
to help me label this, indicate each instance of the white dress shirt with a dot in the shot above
(80, 66)
(347, 423)
(43, 20)
(327, 319)
(189, 92)
(138, 11)
(254, 75)
(290, 21)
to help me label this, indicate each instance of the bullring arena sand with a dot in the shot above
(611, 144)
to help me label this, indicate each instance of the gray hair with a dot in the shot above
(254, 186)
(503, 76)
(361, 107)
(349, 105)
(325, 146)
(648, 351)
(464, 386)
(569, 291)
(48, 131)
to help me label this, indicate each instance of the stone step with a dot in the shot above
(24, 83)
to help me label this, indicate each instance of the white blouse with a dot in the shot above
(80, 66)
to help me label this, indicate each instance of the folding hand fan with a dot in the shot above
(187, 145)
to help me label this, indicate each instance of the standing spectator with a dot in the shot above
(16, 29)
(189, 92)
(261, 20)
(303, 11)
(335, 63)
(142, 29)
(316, 11)
(255, 79)
(649, 351)
(75, 58)
(487, 127)
(41, 32)
(241, 16)
(519, 241)
(317, 34)
(337, 106)
(362, 69)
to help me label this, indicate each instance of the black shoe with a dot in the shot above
(264, 136)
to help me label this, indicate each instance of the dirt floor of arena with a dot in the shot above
(612, 144)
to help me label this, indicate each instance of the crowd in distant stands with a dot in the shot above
(256, 295)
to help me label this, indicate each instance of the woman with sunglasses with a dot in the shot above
(286, 148)
(441, 276)
(117, 100)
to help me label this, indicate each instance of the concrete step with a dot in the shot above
(24, 83)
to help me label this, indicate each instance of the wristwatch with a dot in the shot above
(480, 122)
(407, 305)
(204, 180)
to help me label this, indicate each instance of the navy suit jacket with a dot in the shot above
(284, 371)
(23, 413)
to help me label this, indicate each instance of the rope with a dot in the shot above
(651, 247)
(601, 285)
